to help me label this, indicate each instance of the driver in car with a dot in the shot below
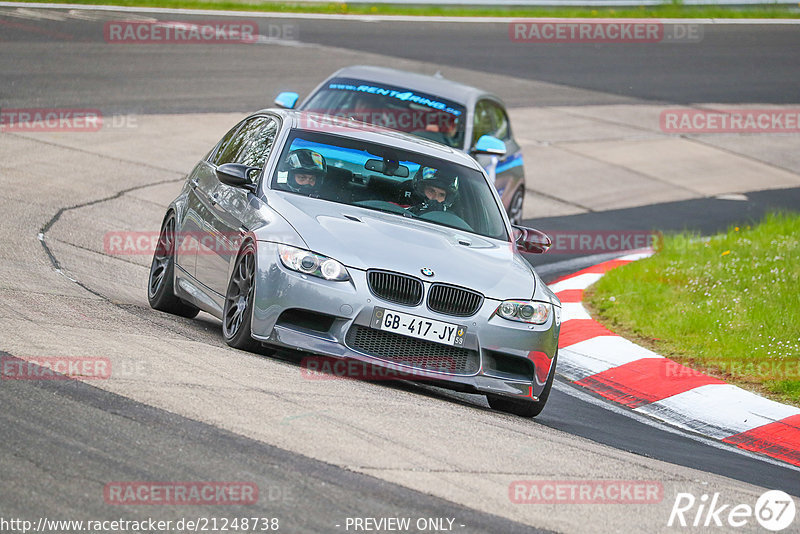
(436, 190)
(306, 171)
(444, 124)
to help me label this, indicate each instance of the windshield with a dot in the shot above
(419, 114)
(382, 178)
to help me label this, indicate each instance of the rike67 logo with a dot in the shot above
(774, 510)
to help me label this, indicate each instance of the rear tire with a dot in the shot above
(238, 310)
(161, 282)
(524, 408)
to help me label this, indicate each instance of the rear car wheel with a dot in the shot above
(238, 309)
(515, 207)
(525, 408)
(160, 284)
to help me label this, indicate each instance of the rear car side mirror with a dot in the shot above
(237, 175)
(488, 144)
(531, 241)
(287, 100)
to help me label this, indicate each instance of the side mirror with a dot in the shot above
(286, 100)
(488, 144)
(531, 241)
(237, 175)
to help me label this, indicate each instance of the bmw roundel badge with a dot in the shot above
(426, 271)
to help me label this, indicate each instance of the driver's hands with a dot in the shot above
(431, 205)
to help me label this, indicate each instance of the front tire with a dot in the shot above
(525, 408)
(238, 310)
(161, 282)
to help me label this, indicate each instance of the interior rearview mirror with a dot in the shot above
(387, 167)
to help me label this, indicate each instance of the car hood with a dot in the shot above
(364, 239)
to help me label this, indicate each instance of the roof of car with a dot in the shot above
(368, 132)
(436, 85)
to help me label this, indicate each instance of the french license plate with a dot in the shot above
(418, 327)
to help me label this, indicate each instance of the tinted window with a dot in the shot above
(424, 115)
(483, 123)
(260, 138)
(490, 119)
(251, 143)
(224, 145)
(501, 129)
(378, 177)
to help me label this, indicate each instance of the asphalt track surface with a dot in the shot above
(86, 433)
(58, 437)
(731, 64)
(704, 216)
(708, 71)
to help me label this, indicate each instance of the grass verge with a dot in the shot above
(728, 305)
(672, 10)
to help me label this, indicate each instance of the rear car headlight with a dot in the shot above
(307, 262)
(524, 311)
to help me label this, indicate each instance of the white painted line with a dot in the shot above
(573, 310)
(600, 354)
(573, 391)
(577, 3)
(637, 256)
(575, 367)
(718, 410)
(271, 15)
(369, 18)
(576, 264)
(582, 281)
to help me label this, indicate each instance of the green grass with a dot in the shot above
(728, 305)
(670, 10)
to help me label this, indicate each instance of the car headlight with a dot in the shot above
(524, 311)
(307, 262)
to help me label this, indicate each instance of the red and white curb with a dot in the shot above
(611, 366)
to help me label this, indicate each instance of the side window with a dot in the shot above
(250, 145)
(261, 138)
(501, 129)
(224, 146)
(482, 122)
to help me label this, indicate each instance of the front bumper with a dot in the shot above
(510, 358)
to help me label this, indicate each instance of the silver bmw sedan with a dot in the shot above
(354, 243)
